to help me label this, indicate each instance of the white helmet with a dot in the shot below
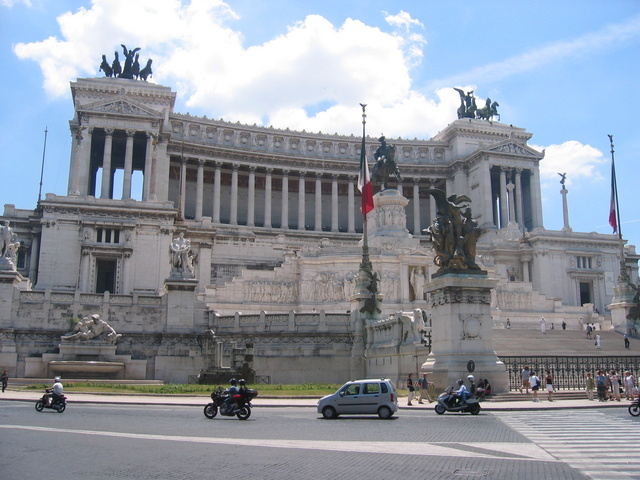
(471, 377)
(56, 379)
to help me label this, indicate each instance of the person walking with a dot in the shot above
(626, 340)
(543, 325)
(564, 325)
(5, 379)
(424, 389)
(525, 374)
(598, 341)
(548, 380)
(411, 388)
(589, 385)
(535, 385)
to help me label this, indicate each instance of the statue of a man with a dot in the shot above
(180, 248)
(6, 238)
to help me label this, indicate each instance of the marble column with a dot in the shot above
(147, 167)
(33, 257)
(251, 197)
(199, 189)
(128, 165)
(126, 273)
(536, 197)
(512, 206)
(301, 201)
(318, 206)
(183, 187)
(334, 203)
(233, 216)
(432, 204)
(504, 212)
(416, 207)
(518, 199)
(525, 271)
(105, 191)
(351, 217)
(284, 219)
(85, 267)
(216, 193)
(79, 171)
(565, 210)
(267, 198)
(487, 218)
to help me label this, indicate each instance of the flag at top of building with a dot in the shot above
(364, 179)
(613, 218)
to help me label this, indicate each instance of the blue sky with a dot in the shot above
(566, 71)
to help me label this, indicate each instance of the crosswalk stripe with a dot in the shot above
(586, 441)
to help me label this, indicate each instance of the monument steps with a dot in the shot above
(558, 342)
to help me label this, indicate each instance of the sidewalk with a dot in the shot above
(202, 400)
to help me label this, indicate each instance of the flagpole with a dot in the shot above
(624, 276)
(365, 245)
(44, 149)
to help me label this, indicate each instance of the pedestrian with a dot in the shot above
(615, 385)
(548, 380)
(525, 374)
(411, 388)
(424, 389)
(535, 385)
(553, 327)
(5, 379)
(601, 386)
(626, 340)
(590, 383)
(589, 331)
(564, 325)
(508, 325)
(629, 385)
(598, 341)
(543, 325)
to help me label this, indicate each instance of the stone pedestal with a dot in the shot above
(461, 342)
(389, 225)
(181, 298)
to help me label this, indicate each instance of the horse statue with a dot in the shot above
(468, 106)
(105, 67)
(115, 66)
(488, 111)
(385, 165)
(146, 71)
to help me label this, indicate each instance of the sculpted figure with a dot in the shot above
(385, 165)
(7, 238)
(180, 248)
(115, 66)
(417, 282)
(454, 232)
(92, 328)
(105, 67)
(146, 71)
(128, 62)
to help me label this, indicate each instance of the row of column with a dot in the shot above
(81, 159)
(511, 204)
(284, 210)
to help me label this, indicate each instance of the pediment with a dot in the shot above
(120, 106)
(513, 148)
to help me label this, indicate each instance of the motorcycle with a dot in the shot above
(449, 402)
(219, 397)
(58, 404)
(634, 408)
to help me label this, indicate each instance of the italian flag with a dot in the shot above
(364, 182)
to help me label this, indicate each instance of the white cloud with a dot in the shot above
(11, 3)
(311, 77)
(573, 158)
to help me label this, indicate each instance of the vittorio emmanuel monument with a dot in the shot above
(248, 250)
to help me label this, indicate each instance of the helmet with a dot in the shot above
(233, 381)
(56, 379)
(242, 382)
(460, 382)
(471, 377)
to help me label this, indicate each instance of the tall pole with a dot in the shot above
(365, 244)
(624, 276)
(44, 149)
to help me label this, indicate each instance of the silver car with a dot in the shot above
(361, 397)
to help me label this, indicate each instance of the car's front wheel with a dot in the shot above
(329, 412)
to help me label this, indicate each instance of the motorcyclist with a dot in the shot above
(462, 393)
(472, 385)
(55, 392)
(231, 392)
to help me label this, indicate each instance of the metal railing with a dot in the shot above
(569, 372)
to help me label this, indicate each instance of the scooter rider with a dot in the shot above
(472, 385)
(231, 391)
(462, 393)
(56, 392)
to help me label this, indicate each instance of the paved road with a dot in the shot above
(94, 441)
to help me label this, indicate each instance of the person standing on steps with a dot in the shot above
(543, 325)
(548, 380)
(535, 385)
(525, 374)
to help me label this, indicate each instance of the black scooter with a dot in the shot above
(59, 403)
(634, 408)
(448, 402)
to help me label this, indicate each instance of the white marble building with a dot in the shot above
(274, 223)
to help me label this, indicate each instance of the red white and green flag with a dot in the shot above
(364, 182)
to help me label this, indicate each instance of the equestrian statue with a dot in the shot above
(385, 165)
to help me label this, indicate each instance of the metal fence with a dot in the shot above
(568, 372)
